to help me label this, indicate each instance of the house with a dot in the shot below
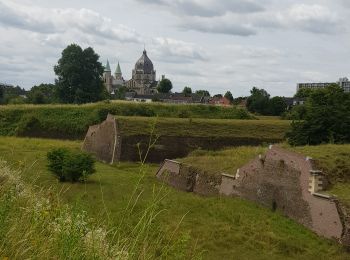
(219, 101)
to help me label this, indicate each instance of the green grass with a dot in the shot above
(219, 228)
(259, 129)
(75, 119)
(224, 161)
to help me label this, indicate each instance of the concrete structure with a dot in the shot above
(281, 180)
(343, 82)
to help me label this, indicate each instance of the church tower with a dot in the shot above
(118, 73)
(107, 77)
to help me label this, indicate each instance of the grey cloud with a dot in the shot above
(208, 8)
(54, 21)
(175, 51)
(218, 25)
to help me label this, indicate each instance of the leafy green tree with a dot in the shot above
(218, 96)
(229, 96)
(79, 75)
(203, 93)
(277, 106)
(304, 93)
(258, 102)
(165, 86)
(2, 95)
(187, 91)
(327, 118)
(43, 94)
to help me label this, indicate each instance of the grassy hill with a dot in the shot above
(72, 121)
(215, 228)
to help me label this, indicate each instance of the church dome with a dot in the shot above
(144, 64)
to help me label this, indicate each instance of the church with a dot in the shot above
(143, 80)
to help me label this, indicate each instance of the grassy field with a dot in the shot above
(219, 228)
(224, 161)
(271, 129)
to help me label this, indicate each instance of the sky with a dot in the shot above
(217, 45)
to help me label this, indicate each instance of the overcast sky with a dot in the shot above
(217, 45)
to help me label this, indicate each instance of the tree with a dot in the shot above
(258, 101)
(203, 93)
(2, 94)
(43, 94)
(327, 118)
(218, 96)
(79, 75)
(304, 93)
(164, 86)
(277, 106)
(187, 91)
(229, 96)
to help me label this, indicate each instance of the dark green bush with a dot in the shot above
(70, 165)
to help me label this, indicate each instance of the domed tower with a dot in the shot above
(143, 76)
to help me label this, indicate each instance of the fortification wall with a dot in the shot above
(280, 180)
(177, 146)
(186, 178)
(103, 141)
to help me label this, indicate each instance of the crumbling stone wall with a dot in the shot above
(103, 141)
(187, 178)
(279, 180)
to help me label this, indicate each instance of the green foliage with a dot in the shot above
(72, 121)
(16, 100)
(43, 94)
(260, 102)
(327, 118)
(79, 76)
(70, 165)
(165, 86)
(229, 96)
(187, 91)
(203, 93)
(304, 93)
(2, 95)
(12, 95)
(277, 106)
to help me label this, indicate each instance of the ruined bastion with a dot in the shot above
(121, 138)
(280, 180)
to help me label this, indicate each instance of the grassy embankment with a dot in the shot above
(259, 129)
(72, 121)
(218, 227)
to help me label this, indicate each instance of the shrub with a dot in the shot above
(70, 165)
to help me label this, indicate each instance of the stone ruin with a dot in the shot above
(280, 180)
(103, 140)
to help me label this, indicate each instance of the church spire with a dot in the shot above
(118, 70)
(107, 68)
